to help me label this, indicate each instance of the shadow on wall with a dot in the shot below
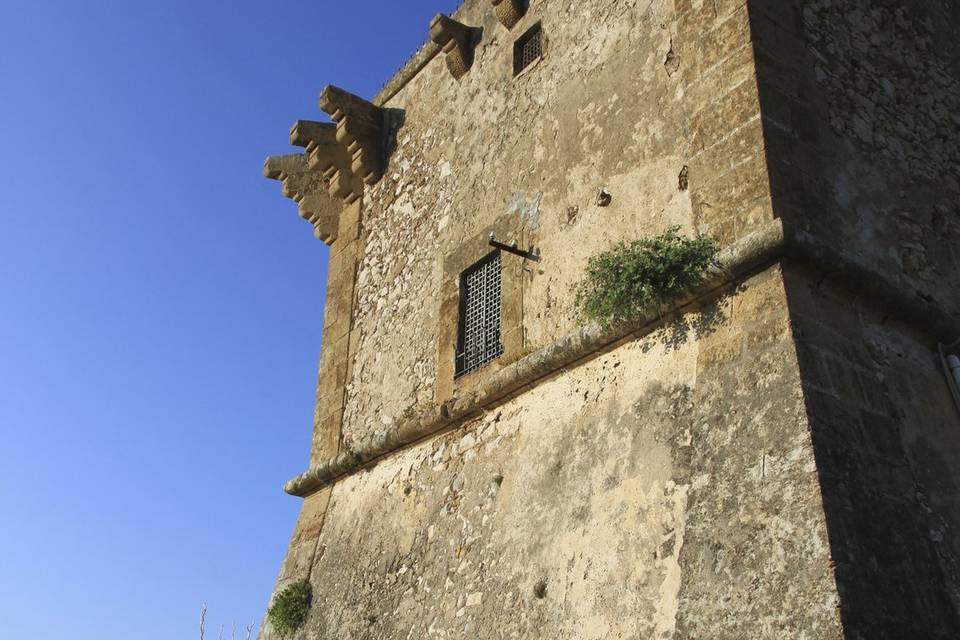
(852, 96)
(677, 331)
(393, 121)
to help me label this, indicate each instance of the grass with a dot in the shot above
(290, 608)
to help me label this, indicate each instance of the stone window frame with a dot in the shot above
(453, 265)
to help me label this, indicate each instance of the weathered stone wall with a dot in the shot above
(627, 96)
(776, 464)
(665, 489)
(337, 334)
(860, 103)
(885, 434)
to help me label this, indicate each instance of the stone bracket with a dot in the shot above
(309, 190)
(457, 42)
(359, 129)
(328, 157)
(509, 12)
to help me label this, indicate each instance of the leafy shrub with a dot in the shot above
(621, 282)
(290, 608)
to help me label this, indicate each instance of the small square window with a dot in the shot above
(478, 336)
(528, 48)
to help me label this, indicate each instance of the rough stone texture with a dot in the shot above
(861, 112)
(598, 111)
(620, 500)
(757, 249)
(776, 464)
(860, 101)
(884, 429)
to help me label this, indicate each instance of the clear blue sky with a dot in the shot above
(160, 301)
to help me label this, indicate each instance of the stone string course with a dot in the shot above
(756, 250)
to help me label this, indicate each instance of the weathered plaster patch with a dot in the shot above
(527, 207)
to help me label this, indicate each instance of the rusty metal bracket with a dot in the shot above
(533, 254)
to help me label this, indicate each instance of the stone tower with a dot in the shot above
(773, 456)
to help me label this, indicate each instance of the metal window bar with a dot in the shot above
(479, 336)
(528, 49)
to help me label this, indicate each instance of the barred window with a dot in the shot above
(528, 48)
(478, 337)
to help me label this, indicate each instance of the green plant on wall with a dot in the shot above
(621, 282)
(290, 608)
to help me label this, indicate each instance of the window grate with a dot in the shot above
(528, 48)
(479, 335)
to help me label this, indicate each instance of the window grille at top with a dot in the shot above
(478, 340)
(528, 48)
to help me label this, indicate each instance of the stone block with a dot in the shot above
(725, 114)
(327, 434)
(729, 34)
(741, 146)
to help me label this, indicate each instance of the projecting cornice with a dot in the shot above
(338, 159)
(309, 190)
(359, 128)
(328, 157)
(457, 42)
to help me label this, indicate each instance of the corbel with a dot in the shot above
(456, 41)
(509, 12)
(309, 190)
(328, 157)
(359, 127)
